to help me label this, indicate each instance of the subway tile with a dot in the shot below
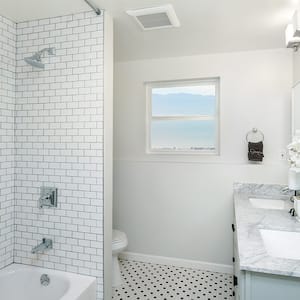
(51, 134)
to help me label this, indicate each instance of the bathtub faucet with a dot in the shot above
(45, 245)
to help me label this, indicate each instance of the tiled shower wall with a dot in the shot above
(59, 143)
(7, 103)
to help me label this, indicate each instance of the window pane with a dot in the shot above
(184, 100)
(183, 135)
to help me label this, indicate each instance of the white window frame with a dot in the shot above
(186, 82)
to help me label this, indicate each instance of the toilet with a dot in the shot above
(119, 243)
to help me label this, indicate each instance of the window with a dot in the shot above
(183, 117)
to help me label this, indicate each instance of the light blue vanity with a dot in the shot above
(266, 244)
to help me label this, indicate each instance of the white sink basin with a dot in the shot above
(282, 244)
(267, 203)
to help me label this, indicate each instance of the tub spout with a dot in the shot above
(46, 244)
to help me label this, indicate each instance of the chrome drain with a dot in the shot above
(45, 280)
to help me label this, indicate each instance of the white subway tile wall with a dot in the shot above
(59, 143)
(7, 104)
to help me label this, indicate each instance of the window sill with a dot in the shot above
(182, 153)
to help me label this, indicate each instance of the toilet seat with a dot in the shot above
(119, 240)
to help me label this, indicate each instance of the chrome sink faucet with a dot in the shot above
(292, 193)
(295, 199)
(46, 244)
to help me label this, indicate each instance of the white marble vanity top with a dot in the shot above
(253, 255)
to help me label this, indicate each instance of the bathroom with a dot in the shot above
(112, 186)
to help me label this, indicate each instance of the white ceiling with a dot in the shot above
(207, 26)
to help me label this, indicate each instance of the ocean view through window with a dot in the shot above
(183, 117)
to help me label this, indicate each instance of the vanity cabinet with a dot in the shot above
(261, 286)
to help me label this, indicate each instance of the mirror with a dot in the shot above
(296, 110)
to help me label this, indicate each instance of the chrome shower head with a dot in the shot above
(36, 60)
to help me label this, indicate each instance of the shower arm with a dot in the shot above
(50, 51)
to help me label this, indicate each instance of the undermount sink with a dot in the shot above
(281, 244)
(267, 203)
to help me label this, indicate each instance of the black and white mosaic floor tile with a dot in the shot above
(145, 281)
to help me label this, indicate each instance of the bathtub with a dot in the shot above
(21, 282)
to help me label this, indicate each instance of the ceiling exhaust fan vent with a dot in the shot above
(155, 17)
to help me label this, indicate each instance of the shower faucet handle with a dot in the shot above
(48, 197)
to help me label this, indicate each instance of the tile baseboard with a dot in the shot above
(177, 262)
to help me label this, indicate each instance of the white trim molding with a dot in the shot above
(215, 151)
(108, 153)
(177, 262)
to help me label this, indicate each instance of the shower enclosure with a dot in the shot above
(56, 131)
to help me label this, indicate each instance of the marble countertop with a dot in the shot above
(249, 220)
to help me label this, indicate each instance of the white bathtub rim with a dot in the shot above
(78, 283)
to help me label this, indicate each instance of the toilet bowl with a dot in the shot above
(119, 243)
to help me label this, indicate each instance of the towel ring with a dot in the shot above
(255, 132)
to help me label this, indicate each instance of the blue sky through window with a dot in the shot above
(190, 100)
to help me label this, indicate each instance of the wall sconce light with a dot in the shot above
(291, 40)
